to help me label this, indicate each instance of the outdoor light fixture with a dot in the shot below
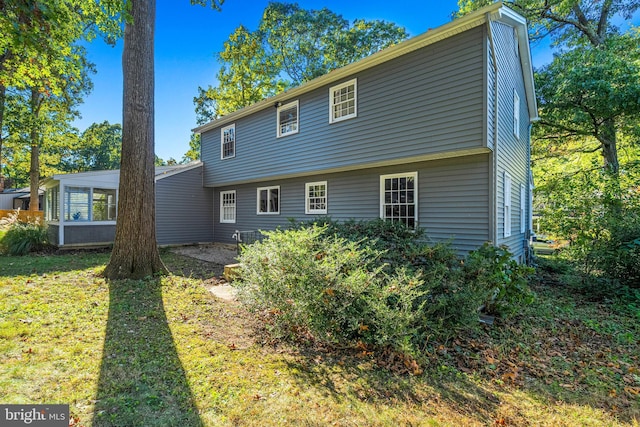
(278, 104)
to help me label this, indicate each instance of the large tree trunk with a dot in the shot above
(34, 168)
(608, 139)
(3, 91)
(135, 252)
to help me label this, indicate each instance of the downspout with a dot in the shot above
(494, 166)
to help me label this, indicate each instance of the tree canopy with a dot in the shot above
(291, 45)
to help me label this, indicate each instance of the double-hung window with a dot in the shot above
(316, 198)
(228, 142)
(268, 200)
(343, 101)
(507, 204)
(399, 198)
(228, 206)
(288, 119)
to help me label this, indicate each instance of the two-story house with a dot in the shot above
(432, 132)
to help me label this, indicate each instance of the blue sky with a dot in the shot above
(188, 38)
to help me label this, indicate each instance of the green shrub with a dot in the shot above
(309, 284)
(22, 238)
(315, 285)
(505, 281)
(394, 240)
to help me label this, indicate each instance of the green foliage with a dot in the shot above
(98, 148)
(291, 46)
(393, 240)
(507, 281)
(599, 216)
(313, 283)
(22, 238)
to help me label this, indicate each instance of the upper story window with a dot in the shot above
(399, 198)
(228, 206)
(268, 200)
(288, 119)
(516, 114)
(228, 142)
(343, 101)
(316, 198)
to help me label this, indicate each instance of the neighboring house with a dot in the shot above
(81, 208)
(432, 132)
(18, 198)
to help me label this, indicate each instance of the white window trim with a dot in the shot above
(307, 209)
(353, 82)
(507, 209)
(231, 126)
(286, 107)
(523, 205)
(516, 114)
(415, 192)
(273, 187)
(235, 204)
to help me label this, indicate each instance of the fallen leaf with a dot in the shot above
(634, 391)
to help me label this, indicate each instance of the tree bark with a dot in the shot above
(3, 91)
(135, 252)
(34, 168)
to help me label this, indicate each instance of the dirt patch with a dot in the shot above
(215, 253)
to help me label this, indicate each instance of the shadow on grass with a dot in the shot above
(378, 385)
(41, 263)
(142, 381)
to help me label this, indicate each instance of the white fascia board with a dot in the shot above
(511, 18)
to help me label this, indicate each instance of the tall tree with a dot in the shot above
(98, 148)
(37, 48)
(194, 149)
(247, 75)
(587, 27)
(135, 251)
(291, 46)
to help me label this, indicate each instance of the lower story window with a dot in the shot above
(89, 204)
(104, 205)
(228, 206)
(76, 204)
(316, 198)
(269, 200)
(398, 198)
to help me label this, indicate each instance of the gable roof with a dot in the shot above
(494, 12)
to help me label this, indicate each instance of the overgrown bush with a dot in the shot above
(310, 283)
(506, 281)
(599, 215)
(22, 238)
(395, 240)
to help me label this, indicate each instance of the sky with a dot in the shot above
(187, 39)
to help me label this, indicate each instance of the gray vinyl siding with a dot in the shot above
(453, 200)
(428, 101)
(512, 153)
(183, 209)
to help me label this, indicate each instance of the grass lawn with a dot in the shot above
(165, 352)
